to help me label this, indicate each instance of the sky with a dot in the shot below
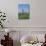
(23, 7)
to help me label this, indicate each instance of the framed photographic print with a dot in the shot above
(23, 11)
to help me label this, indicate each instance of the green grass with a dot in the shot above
(23, 15)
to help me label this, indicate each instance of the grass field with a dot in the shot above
(23, 15)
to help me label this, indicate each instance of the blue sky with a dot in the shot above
(24, 7)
